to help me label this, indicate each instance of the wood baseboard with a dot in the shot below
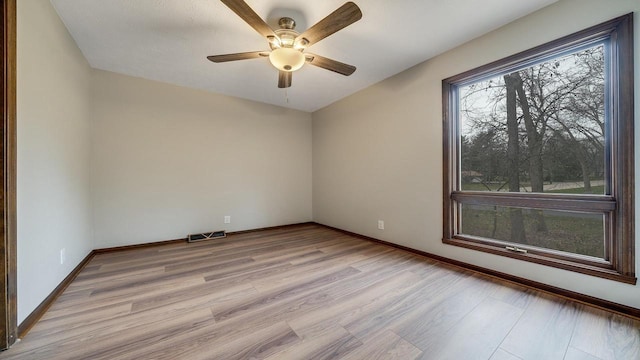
(567, 294)
(279, 227)
(138, 246)
(37, 313)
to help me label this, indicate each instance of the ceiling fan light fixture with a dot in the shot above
(287, 59)
(274, 42)
(301, 43)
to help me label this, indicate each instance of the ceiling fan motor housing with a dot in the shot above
(287, 23)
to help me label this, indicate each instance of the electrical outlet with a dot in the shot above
(227, 219)
(63, 255)
(380, 224)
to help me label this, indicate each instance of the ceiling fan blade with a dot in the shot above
(329, 64)
(250, 17)
(284, 79)
(238, 56)
(344, 16)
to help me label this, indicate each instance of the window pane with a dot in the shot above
(540, 129)
(573, 232)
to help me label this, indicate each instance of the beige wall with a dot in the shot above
(53, 200)
(378, 154)
(169, 161)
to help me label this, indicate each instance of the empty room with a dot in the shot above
(286, 179)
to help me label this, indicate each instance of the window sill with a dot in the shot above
(602, 270)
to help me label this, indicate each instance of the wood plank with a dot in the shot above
(547, 320)
(606, 336)
(305, 271)
(439, 314)
(129, 295)
(84, 317)
(199, 295)
(265, 342)
(512, 294)
(358, 304)
(404, 308)
(386, 345)
(155, 279)
(280, 294)
(115, 324)
(242, 326)
(108, 345)
(575, 354)
(503, 355)
(334, 343)
(477, 335)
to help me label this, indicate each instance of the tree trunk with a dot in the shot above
(585, 175)
(581, 155)
(513, 160)
(534, 138)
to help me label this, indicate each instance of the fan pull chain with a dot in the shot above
(286, 95)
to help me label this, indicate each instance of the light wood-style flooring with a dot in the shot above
(309, 292)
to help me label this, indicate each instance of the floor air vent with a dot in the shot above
(207, 236)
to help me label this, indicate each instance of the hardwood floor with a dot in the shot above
(309, 292)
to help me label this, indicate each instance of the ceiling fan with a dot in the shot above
(288, 46)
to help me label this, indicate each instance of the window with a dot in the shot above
(538, 154)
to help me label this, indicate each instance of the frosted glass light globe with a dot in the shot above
(286, 59)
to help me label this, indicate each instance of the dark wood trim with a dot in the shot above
(279, 227)
(39, 311)
(564, 293)
(550, 49)
(555, 254)
(623, 146)
(138, 246)
(617, 207)
(546, 258)
(8, 254)
(449, 163)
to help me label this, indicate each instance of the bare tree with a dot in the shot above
(529, 118)
(513, 155)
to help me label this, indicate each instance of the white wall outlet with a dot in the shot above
(227, 219)
(63, 255)
(380, 224)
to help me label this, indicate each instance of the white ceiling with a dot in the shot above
(169, 40)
